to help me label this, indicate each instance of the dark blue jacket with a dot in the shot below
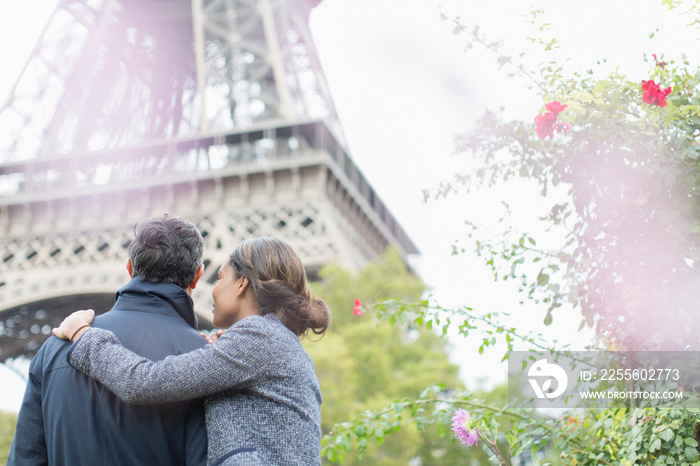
(67, 418)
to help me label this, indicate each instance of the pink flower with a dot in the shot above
(555, 107)
(559, 127)
(544, 124)
(653, 95)
(461, 426)
(357, 310)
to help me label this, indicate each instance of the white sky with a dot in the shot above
(403, 86)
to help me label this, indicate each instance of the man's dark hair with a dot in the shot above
(166, 249)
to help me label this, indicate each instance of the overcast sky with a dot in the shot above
(403, 86)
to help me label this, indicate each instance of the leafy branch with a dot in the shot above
(493, 47)
(376, 424)
(425, 314)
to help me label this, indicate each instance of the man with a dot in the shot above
(67, 418)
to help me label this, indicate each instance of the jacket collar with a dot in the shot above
(168, 294)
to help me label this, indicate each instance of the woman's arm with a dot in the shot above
(240, 355)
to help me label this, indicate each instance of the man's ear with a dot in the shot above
(197, 275)
(130, 268)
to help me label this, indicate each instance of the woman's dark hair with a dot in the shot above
(166, 249)
(278, 278)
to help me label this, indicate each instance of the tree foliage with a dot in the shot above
(631, 220)
(7, 433)
(622, 156)
(631, 216)
(364, 365)
(626, 433)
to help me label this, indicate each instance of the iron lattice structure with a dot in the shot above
(215, 110)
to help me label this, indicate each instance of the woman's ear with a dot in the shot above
(242, 285)
(130, 268)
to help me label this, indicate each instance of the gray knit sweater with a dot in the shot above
(265, 401)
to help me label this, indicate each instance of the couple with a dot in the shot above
(263, 397)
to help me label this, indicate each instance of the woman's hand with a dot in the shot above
(78, 322)
(212, 337)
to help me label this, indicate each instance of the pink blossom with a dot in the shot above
(653, 94)
(559, 127)
(461, 426)
(555, 107)
(357, 310)
(544, 124)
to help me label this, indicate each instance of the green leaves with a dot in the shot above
(376, 425)
(632, 211)
(364, 364)
(594, 437)
(624, 242)
(433, 316)
(548, 319)
(667, 435)
(691, 453)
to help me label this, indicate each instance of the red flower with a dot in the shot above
(357, 310)
(544, 124)
(653, 95)
(555, 107)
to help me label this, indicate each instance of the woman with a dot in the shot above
(264, 398)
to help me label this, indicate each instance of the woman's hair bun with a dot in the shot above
(278, 278)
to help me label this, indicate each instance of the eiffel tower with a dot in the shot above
(215, 110)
